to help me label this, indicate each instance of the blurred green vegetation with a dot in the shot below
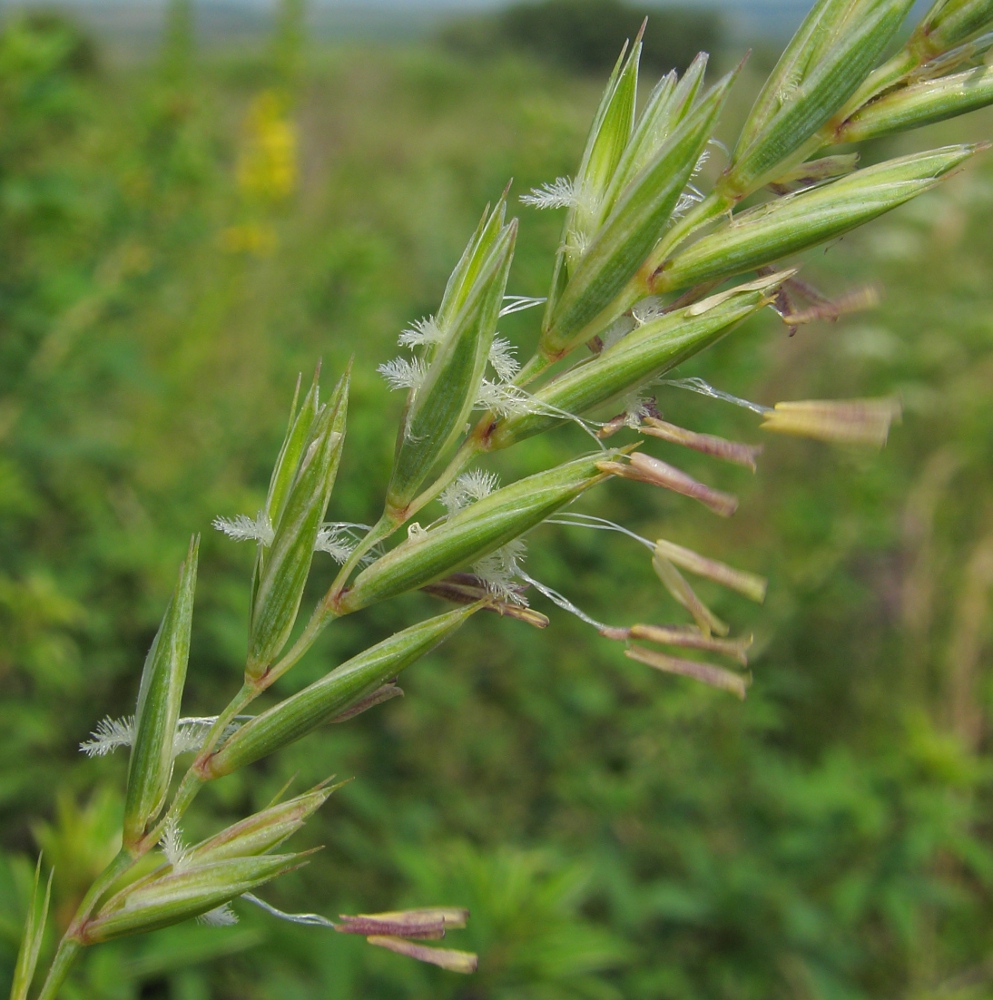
(177, 242)
(586, 35)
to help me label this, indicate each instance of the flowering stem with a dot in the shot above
(891, 72)
(121, 863)
(126, 858)
(383, 528)
(71, 942)
(703, 212)
(193, 779)
(538, 364)
(467, 451)
(59, 969)
(319, 620)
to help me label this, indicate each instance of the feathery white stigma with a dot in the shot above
(560, 193)
(111, 734)
(577, 242)
(468, 488)
(404, 373)
(190, 734)
(503, 399)
(648, 310)
(219, 916)
(508, 400)
(789, 87)
(246, 529)
(502, 359)
(421, 331)
(333, 539)
(108, 736)
(172, 846)
(691, 196)
(501, 571)
(636, 408)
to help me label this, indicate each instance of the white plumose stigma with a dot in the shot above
(648, 310)
(111, 734)
(190, 734)
(172, 846)
(560, 193)
(219, 916)
(501, 398)
(420, 332)
(636, 408)
(508, 400)
(502, 359)
(467, 489)
(690, 197)
(334, 540)
(576, 244)
(404, 373)
(501, 571)
(789, 86)
(108, 736)
(246, 529)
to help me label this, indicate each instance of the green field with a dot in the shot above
(179, 240)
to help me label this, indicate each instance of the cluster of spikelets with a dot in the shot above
(642, 278)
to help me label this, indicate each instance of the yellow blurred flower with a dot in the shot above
(253, 238)
(267, 164)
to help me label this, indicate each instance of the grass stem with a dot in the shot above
(59, 969)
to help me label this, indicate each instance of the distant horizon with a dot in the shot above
(140, 21)
(353, 5)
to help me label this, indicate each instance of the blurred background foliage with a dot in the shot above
(178, 239)
(585, 35)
